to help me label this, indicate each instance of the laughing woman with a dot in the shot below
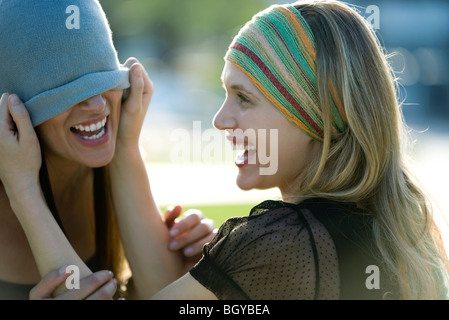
(352, 223)
(72, 85)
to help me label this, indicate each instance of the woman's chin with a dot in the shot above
(99, 159)
(248, 182)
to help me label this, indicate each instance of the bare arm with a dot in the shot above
(185, 288)
(144, 234)
(50, 247)
(20, 154)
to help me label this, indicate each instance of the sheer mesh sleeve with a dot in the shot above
(277, 252)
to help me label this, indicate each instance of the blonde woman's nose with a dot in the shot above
(224, 118)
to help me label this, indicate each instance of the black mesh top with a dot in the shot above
(318, 249)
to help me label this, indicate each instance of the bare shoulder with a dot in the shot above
(185, 288)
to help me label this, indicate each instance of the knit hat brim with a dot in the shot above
(50, 103)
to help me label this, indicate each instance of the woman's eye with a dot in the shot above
(243, 99)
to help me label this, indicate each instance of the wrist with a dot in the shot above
(24, 195)
(125, 152)
(21, 186)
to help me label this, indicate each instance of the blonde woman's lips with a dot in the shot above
(245, 151)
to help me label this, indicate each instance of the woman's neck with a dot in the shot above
(72, 188)
(68, 179)
(289, 194)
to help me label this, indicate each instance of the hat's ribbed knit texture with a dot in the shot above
(50, 67)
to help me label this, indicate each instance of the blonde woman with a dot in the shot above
(352, 223)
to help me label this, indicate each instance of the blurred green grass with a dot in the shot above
(220, 213)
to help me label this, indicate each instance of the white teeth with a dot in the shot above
(240, 158)
(242, 147)
(91, 127)
(95, 136)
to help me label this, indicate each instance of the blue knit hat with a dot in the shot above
(50, 61)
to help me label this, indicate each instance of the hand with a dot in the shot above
(189, 233)
(98, 286)
(135, 106)
(19, 146)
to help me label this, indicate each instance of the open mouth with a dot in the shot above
(243, 150)
(91, 131)
(242, 153)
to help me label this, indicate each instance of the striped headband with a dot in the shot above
(276, 51)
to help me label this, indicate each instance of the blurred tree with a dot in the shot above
(187, 37)
(176, 23)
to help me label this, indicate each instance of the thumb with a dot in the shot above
(48, 284)
(20, 116)
(136, 86)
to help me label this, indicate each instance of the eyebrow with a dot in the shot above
(240, 87)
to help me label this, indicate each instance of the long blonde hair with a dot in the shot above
(366, 164)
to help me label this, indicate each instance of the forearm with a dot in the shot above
(50, 247)
(144, 234)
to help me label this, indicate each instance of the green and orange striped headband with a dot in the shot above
(276, 50)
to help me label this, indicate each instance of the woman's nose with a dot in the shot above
(95, 104)
(225, 118)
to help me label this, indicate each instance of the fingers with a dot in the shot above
(48, 284)
(15, 116)
(139, 80)
(191, 218)
(129, 62)
(97, 286)
(148, 89)
(106, 292)
(195, 248)
(171, 214)
(20, 117)
(137, 84)
(6, 123)
(191, 233)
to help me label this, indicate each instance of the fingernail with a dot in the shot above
(188, 251)
(14, 99)
(63, 269)
(174, 231)
(137, 72)
(173, 245)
